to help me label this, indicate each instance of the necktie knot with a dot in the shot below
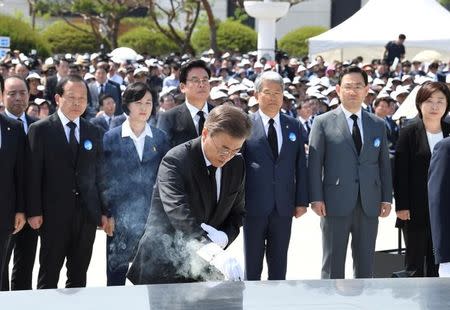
(212, 170)
(354, 117)
(19, 119)
(271, 121)
(71, 125)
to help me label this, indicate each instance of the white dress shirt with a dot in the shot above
(193, 111)
(22, 118)
(107, 119)
(65, 121)
(433, 139)
(139, 142)
(276, 124)
(350, 121)
(218, 173)
(304, 122)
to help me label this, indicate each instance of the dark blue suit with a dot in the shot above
(127, 186)
(439, 200)
(273, 189)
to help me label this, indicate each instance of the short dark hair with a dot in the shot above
(134, 92)
(353, 69)
(103, 97)
(196, 63)
(229, 120)
(377, 101)
(59, 90)
(402, 37)
(425, 92)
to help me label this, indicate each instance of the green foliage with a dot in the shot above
(23, 37)
(231, 35)
(150, 41)
(295, 42)
(64, 38)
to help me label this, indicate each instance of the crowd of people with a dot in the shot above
(170, 157)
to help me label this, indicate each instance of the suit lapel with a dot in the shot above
(224, 191)
(342, 125)
(422, 139)
(200, 173)
(60, 136)
(260, 134)
(150, 149)
(367, 130)
(185, 121)
(285, 130)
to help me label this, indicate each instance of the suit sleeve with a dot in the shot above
(401, 173)
(35, 160)
(439, 200)
(316, 160)
(385, 169)
(235, 219)
(301, 177)
(106, 178)
(174, 198)
(99, 170)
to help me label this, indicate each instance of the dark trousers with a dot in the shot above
(419, 252)
(24, 245)
(269, 235)
(4, 240)
(70, 239)
(116, 265)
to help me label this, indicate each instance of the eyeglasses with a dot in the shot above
(435, 104)
(198, 81)
(224, 151)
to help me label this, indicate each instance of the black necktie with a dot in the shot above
(212, 180)
(102, 89)
(201, 122)
(356, 134)
(272, 137)
(23, 125)
(73, 141)
(308, 129)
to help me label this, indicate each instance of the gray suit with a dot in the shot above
(351, 186)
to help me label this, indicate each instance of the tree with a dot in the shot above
(212, 26)
(63, 38)
(231, 35)
(145, 40)
(295, 42)
(103, 16)
(167, 17)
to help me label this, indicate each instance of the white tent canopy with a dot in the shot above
(425, 23)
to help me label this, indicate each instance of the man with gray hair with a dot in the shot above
(276, 183)
(197, 206)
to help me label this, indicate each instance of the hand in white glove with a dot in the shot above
(224, 262)
(217, 236)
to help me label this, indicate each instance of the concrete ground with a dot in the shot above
(305, 252)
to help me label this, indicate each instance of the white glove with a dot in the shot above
(224, 262)
(217, 236)
(444, 270)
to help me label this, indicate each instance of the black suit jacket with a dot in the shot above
(12, 186)
(181, 202)
(57, 185)
(177, 123)
(412, 161)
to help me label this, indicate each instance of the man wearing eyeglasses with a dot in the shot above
(349, 177)
(276, 181)
(186, 121)
(197, 206)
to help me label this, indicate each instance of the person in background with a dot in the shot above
(412, 160)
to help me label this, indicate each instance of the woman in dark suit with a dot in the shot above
(133, 152)
(412, 160)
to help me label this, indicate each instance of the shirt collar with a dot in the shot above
(127, 132)
(347, 113)
(9, 114)
(207, 162)
(266, 119)
(193, 110)
(65, 120)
